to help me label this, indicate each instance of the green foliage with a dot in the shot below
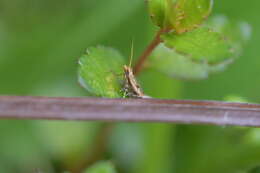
(179, 66)
(201, 45)
(189, 53)
(157, 10)
(101, 167)
(189, 14)
(100, 71)
(201, 52)
(40, 62)
(236, 33)
(179, 15)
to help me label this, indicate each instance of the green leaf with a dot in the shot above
(179, 15)
(160, 12)
(189, 14)
(201, 45)
(168, 61)
(157, 11)
(100, 71)
(101, 167)
(196, 54)
(238, 33)
(239, 30)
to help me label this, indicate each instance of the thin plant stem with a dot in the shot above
(141, 60)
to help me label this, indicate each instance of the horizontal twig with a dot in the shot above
(130, 110)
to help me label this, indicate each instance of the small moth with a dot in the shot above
(131, 87)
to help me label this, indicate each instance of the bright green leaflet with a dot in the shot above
(101, 71)
(169, 62)
(157, 10)
(101, 167)
(160, 12)
(189, 14)
(179, 15)
(201, 45)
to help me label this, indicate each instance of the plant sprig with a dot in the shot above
(184, 47)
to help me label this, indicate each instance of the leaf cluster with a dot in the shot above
(190, 48)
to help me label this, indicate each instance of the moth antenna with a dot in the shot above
(132, 53)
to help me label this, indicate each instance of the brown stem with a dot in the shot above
(130, 110)
(140, 63)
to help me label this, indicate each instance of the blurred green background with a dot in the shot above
(40, 43)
